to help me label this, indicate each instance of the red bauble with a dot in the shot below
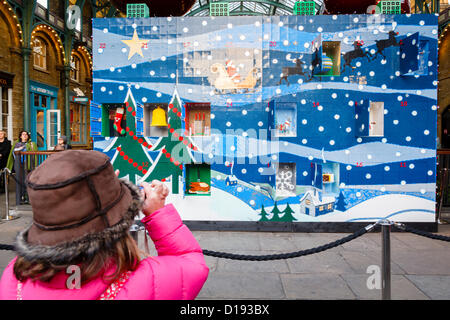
(159, 8)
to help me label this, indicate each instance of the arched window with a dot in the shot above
(75, 68)
(40, 54)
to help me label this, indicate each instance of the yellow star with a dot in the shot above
(135, 45)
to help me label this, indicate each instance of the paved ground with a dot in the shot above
(420, 266)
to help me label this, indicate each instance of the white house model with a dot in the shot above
(313, 205)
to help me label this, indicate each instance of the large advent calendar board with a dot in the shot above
(281, 118)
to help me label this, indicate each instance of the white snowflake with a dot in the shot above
(284, 180)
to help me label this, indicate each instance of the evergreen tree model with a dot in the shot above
(276, 213)
(263, 214)
(288, 217)
(131, 152)
(174, 150)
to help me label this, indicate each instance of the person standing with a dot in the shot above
(62, 144)
(5, 148)
(24, 143)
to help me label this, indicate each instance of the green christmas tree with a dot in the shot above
(288, 217)
(276, 213)
(173, 149)
(131, 152)
(263, 214)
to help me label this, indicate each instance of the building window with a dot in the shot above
(4, 101)
(40, 54)
(75, 68)
(78, 123)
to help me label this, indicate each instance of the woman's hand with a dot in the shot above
(155, 196)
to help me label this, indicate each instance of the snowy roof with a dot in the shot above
(255, 7)
(315, 199)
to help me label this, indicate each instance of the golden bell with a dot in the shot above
(159, 118)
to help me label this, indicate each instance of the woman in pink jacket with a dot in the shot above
(79, 245)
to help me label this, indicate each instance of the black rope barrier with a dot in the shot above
(296, 254)
(6, 247)
(282, 256)
(426, 234)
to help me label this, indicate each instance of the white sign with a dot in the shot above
(73, 17)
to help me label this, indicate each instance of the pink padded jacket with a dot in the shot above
(177, 273)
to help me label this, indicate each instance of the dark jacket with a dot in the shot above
(5, 148)
(64, 146)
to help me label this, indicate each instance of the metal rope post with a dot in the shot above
(7, 217)
(386, 259)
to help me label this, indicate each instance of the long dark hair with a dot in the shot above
(124, 254)
(28, 134)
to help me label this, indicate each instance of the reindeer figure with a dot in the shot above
(314, 63)
(386, 43)
(356, 53)
(290, 71)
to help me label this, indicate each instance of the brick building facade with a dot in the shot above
(58, 59)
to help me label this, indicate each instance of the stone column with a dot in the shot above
(26, 53)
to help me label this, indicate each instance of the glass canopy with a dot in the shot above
(253, 7)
